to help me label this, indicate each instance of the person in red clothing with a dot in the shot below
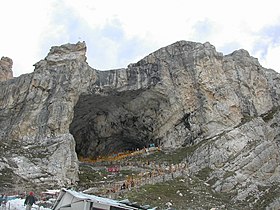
(29, 201)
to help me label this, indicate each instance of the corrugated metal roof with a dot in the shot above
(97, 199)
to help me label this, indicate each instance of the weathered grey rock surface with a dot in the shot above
(181, 95)
(6, 72)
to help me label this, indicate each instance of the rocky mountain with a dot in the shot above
(184, 95)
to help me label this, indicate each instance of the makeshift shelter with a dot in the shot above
(72, 200)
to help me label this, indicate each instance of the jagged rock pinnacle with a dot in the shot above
(6, 72)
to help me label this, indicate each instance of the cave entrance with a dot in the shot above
(103, 125)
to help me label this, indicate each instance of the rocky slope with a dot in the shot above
(185, 94)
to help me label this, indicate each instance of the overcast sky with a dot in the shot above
(119, 32)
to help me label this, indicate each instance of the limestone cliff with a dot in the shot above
(181, 95)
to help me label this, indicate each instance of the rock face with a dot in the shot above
(185, 94)
(6, 72)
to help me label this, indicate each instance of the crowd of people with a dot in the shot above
(151, 173)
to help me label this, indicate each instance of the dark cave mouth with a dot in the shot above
(105, 125)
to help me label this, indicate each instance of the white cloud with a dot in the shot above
(271, 60)
(120, 32)
(21, 25)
